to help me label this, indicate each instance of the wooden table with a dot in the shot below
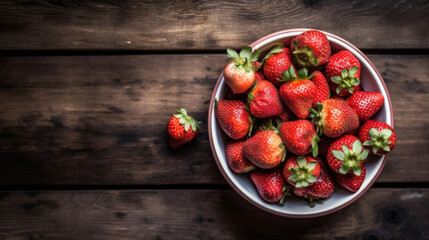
(86, 89)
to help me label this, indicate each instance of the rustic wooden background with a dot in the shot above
(86, 89)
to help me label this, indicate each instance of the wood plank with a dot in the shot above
(203, 214)
(101, 119)
(181, 25)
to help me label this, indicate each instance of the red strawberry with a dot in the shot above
(334, 117)
(299, 137)
(277, 61)
(346, 155)
(270, 184)
(322, 86)
(343, 73)
(310, 49)
(298, 92)
(265, 149)
(350, 181)
(366, 104)
(323, 187)
(264, 100)
(301, 171)
(259, 75)
(235, 158)
(181, 128)
(378, 137)
(233, 118)
(240, 73)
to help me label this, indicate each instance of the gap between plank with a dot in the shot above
(173, 187)
(31, 53)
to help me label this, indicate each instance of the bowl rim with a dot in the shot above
(236, 189)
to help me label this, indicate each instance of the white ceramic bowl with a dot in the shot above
(294, 206)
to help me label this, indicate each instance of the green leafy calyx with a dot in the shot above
(291, 75)
(244, 59)
(304, 57)
(276, 49)
(186, 120)
(346, 80)
(379, 140)
(301, 175)
(316, 116)
(351, 158)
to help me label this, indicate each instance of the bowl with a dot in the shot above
(296, 207)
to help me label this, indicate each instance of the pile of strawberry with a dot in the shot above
(318, 124)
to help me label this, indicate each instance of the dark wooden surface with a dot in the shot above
(208, 25)
(86, 89)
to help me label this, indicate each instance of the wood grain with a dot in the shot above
(203, 214)
(211, 25)
(101, 119)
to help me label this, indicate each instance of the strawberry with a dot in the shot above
(181, 128)
(350, 181)
(298, 92)
(277, 61)
(322, 86)
(240, 73)
(264, 100)
(322, 188)
(346, 155)
(334, 117)
(259, 75)
(378, 137)
(270, 184)
(343, 72)
(301, 171)
(366, 104)
(264, 149)
(310, 49)
(233, 118)
(235, 158)
(299, 137)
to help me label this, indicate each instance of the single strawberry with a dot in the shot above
(378, 137)
(264, 100)
(265, 149)
(277, 61)
(334, 117)
(343, 73)
(310, 49)
(270, 184)
(298, 92)
(299, 137)
(350, 181)
(322, 188)
(234, 156)
(301, 171)
(259, 74)
(322, 86)
(347, 155)
(233, 118)
(239, 73)
(181, 128)
(366, 104)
